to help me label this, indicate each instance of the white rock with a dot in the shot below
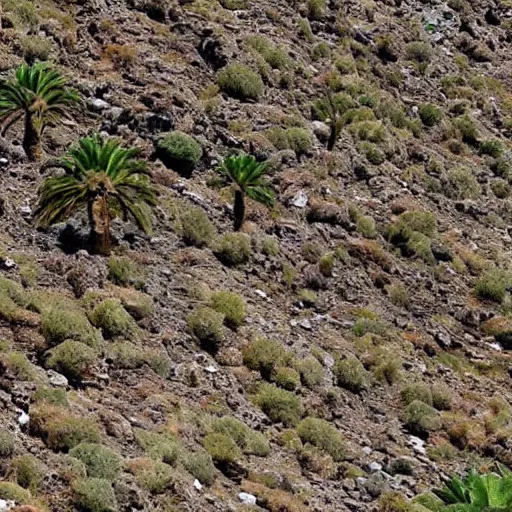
(56, 379)
(197, 484)
(321, 130)
(247, 499)
(26, 211)
(211, 369)
(306, 324)
(300, 200)
(418, 445)
(367, 450)
(8, 263)
(98, 105)
(260, 293)
(6, 505)
(374, 467)
(23, 418)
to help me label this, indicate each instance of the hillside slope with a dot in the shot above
(361, 354)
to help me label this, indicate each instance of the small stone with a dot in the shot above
(197, 484)
(97, 105)
(8, 264)
(211, 369)
(367, 450)
(247, 499)
(56, 379)
(26, 211)
(306, 324)
(374, 467)
(23, 418)
(321, 130)
(300, 199)
(260, 293)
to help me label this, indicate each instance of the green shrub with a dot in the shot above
(462, 184)
(269, 246)
(326, 264)
(373, 153)
(6, 444)
(123, 271)
(233, 249)
(419, 51)
(199, 465)
(11, 491)
(94, 495)
(371, 131)
(234, 5)
(366, 226)
(179, 151)
(409, 222)
(421, 418)
(279, 405)
(399, 295)
(247, 439)
(316, 9)
(152, 475)
(345, 65)
(264, 355)
(60, 430)
(273, 55)
(321, 50)
(286, 378)
(19, 365)
(22, 12)
(221, 448)
(100, 461)
(441, 398)
(36, 48)
(160, 447)
(206, 325)
(420, 246)
(323, 435)
(311, 372)
(492, 147)
(493, 285)
(416, 392)
(311, 252)
(60, 324)
(125, 355)
(430, 115)
(364, 326)
(297, 139)
(304, 30)
(114, 320)
(53, 396)
(196, 227)
(232, 306)
(350, 374)
(500, 188)
(467, 129)
(307, 297)
(71, 358)
(240, 82)
(28, 471)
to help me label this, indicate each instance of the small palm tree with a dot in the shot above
(37, 94)
(331, 114)
(247, 174)
(103, 177)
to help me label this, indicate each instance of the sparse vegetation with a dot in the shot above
(206, 325)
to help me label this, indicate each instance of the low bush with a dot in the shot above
(286, 378)
(94, 495)
(160, 447)
(71, 358)
(28, 471)
(441, 398)
(421, 418)
(279, 405)
(232, 306)
(6, 444)
(430, 115)
(200, 465)
(222, 448)
(196, 227)
(233, 249)
(492, 147)
(297, 139)
(99, 461)
(9, 491)
(274, 55)
(179, 151)
(206, 325)
(350, 374)
(462, 184)
(323, 435)
(264, 355)
(154, 476)
(316, 9)
(493, 285)
(52, 396)
(36, 48)
(311, 372)
(123, 271)
(19, 365)
(247, 439)
(419, 51)
(114, 320)
(240, 82)
(414, 392)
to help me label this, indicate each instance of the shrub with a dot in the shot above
(206, 325)
(234, 5)
(311, 372)
(420, 246)
(462, 184)
(71, 358)
(19, 365)
(152, 475)
(286, 378)
(196, 228)
(304, 30)
(221, 448)
(60, 324)
(373, 153)
(232, 306)
(240, 82)
(60, 430)
(441, 398)
(199, 465)
(275, 56)
(114, 320)
(467, 129)
(122, 271)
(11, 491)
(233, 249)
(94, 495)
(53, 396)
(368, 325)
(500, 188)
(398, 295)
(28, 471)
(350, 374)
(125, 355)
(139, 305)
(323, 435)
(6, 444)
(316, 9)
(421, 418)
(279, 405)
(264, 355)
(270, 246)
(100, 461)
(311, 252)
(321, 50)
(371, 131)
(430, 115)
(326, 264)
(409, 222)
(179, 151)
(307, 297)
(419, 51)
(160, 447)
(491, 147)
(247, 439)
(366, 226)
(493, 285)
(345, 65)
(416, 392)
(297, 139)
(122, 55)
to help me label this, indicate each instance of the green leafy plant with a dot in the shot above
(247, 175)
(39, 95)
(179, 151)
(240, 82)
(98, 175)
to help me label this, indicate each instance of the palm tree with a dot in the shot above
(329, 111)
(105, 178)
(246, 173)
(37, 94)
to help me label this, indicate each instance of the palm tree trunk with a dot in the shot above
(99, 219)
(239, 210)
(32, 139)
(332, 137)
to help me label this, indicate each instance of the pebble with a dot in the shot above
(197, 484)
(247, 499)
(375, 466)
(418, 445)
(211, 369)
(23, 418)
(261, 293)
(56, 379)
(300, 200)
(98, 105)
(6, 505)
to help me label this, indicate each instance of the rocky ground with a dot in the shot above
(380, 279)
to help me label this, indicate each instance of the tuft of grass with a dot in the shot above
(71, 358)
(160, 447)
(114, 320)
(247, 439)
(295, 138)
(322, 435)
(233, 249)
(421, 418)
(264, 356)
(154, 476)
(51, 396)
(279, 405)
(19, 365)
(231, 305)
(414, 392)
(200, 465)
(286, 378)
(123, 271)
(311, 372)
(350, 374)
(240, 82)
(207, 325)
(179, 151)
(28, 472)
(222, 448)
(493, 285)
(99, 461)
(94, 495)
(430, 115)
(9, 491)
(196, 227)
(273, 55)
(6, 444)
